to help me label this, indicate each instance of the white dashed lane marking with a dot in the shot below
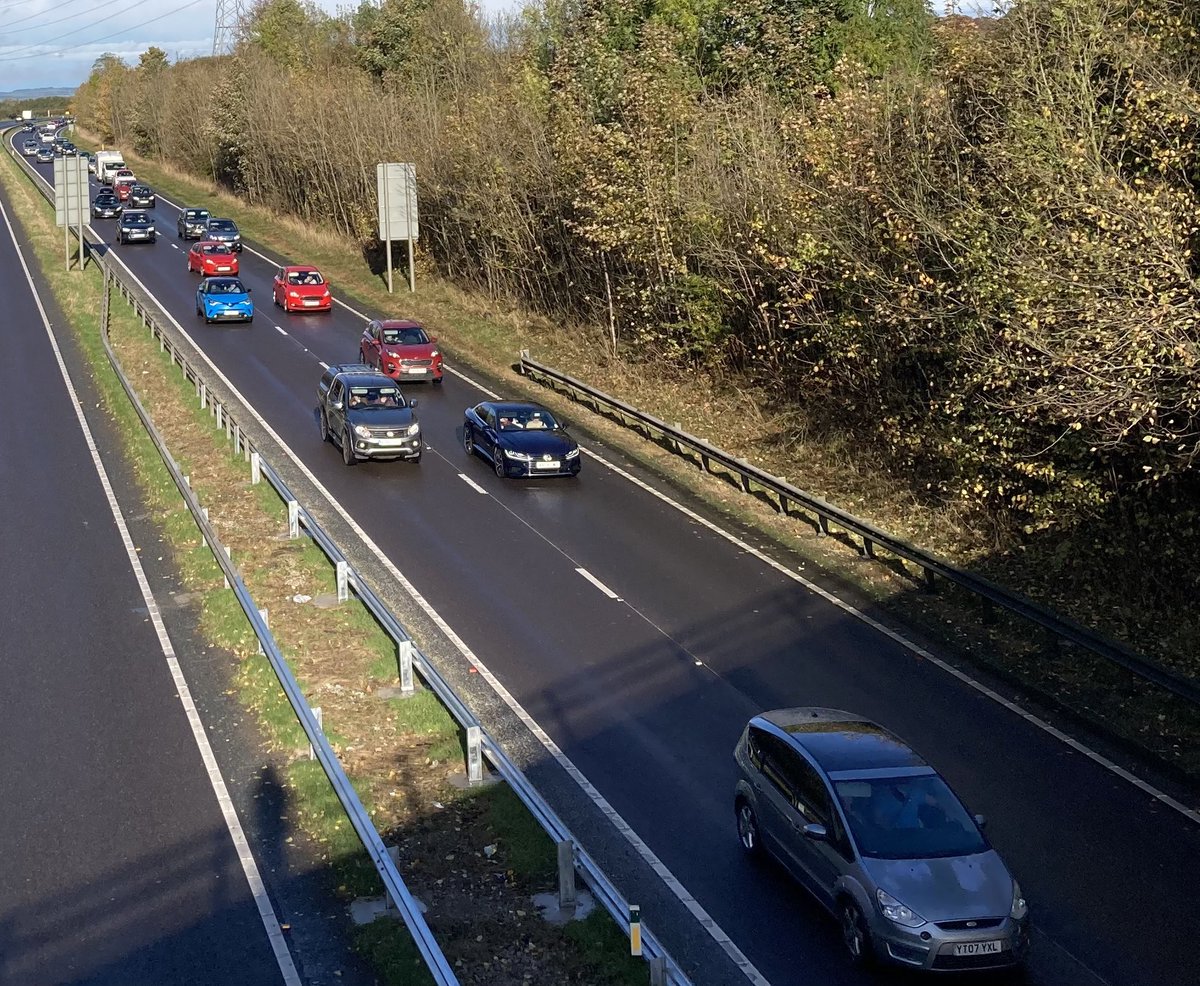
(597, 583)
(471, 483)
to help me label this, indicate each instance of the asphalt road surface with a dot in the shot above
(646, 687)
(117, 863)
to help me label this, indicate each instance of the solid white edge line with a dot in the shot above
(281, 330)
(681, 893)
(471, 483)
(266, 911)
(718, 935)
(597, 583)
(899, 638)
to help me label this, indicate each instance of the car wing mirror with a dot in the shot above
(981, 821)
(336, 405)
(412, 403)
(815, 832)
(249, 290)
(432, 339)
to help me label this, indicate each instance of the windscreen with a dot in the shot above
(908, 818)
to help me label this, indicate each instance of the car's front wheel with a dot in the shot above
(468, 440)
(347, 448)
(498, 462)
(856, 937)
(437, 381)
(323, 420)
(747, 826)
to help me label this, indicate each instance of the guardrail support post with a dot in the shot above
(868, 548)
(255, 468)
(394, 855)
(930, 583)
(267, 624)
(404, 659)
(218, 413)
(293, 519)
(566, 875)
(203, 395)
(237, 438)
(823, 524)
(312, 753)
(343, 581)
(658, 971)
(229, 555)
(474, 756)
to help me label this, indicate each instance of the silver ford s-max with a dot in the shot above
(866, 825)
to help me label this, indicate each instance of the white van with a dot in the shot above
(107, 162)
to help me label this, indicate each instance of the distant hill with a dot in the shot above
(22, 94)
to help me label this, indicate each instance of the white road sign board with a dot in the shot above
(71, 200)
(396, 188)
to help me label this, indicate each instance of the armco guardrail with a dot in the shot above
(663, 969)
(789, 498)
(410, 911)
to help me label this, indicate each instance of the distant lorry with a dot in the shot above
(108, 162)
(26, 114)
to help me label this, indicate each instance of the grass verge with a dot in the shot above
(733, 415)
(474, 857)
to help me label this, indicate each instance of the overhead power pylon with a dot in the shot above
(230, 15)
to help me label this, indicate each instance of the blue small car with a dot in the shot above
(224, 299)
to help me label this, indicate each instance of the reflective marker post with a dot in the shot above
(635, 929)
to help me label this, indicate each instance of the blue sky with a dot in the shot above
(54, 42)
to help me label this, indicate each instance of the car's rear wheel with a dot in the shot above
(468, 440)
(498, 463)
(347, 448)
(747, 826)
(324, 425)
(856, 937)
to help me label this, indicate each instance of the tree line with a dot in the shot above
(968, 245)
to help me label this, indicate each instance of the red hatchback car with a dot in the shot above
(402, 350)
(301, 289)
(212, 259)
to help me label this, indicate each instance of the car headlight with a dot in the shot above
(897, 912)
(414, 429)
(362, 431)
(391, 367)
(1020, 906)
(293, 294)
(434, 355)
(573, 454)
(518, 456)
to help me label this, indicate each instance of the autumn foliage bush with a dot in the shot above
(970, 245)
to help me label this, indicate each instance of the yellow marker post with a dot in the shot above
(635, 930)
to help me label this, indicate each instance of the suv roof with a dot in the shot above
(361, 378)
(842, 740)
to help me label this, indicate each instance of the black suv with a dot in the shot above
(136, 226)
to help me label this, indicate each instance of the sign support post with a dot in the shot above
(387, 231)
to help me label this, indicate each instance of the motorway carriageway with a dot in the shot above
(641, 639)
(119, 865)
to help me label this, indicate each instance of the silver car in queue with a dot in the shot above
(876, 835)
